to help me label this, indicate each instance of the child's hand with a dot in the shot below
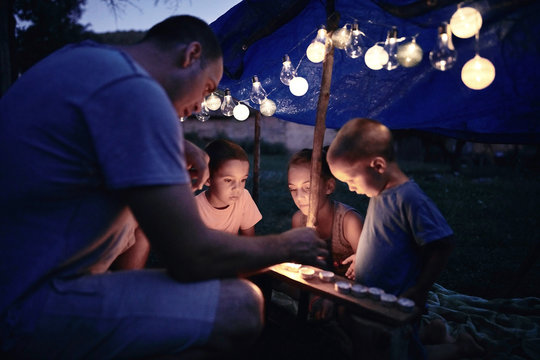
(350, 271)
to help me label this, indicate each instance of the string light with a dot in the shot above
(268, 107)
(287, 72)
(204, 114)
(443, 56)
(241, 112)
(355, 45)
(410, 54)
(390, 46)
(227, 106)
(316, 51)
(376, 57)
(341, 37)
(298, 86)
(257, 94)
(213, 102)
(466, 22)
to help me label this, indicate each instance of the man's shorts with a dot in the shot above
(121, 315)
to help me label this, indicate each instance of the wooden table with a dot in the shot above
(377, 331)
(365, 306)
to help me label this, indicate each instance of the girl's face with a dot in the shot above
(300, 187)
(228, 183)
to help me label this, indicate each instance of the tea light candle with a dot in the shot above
(388, 300)
(359, 290)
(343, 287)
(307, 273)
(375, 293)
(326, 276)
(405, 304)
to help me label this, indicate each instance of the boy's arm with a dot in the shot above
(435, 255)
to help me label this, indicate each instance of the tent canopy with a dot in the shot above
(256, 34)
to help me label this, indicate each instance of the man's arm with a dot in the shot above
(168, 216)
(435, 255)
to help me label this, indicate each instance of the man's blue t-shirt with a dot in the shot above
(82, 123)
(398, 222)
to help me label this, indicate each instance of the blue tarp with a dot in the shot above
(255, 34)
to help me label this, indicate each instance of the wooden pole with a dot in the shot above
(256, 157)
(320, 124)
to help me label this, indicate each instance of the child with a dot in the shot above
(226, 205)
(405, 242)
(336, 222)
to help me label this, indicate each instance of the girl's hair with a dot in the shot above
(222, 150)
(303, 157)
(183, 29)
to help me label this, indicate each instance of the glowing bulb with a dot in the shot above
(410, 54)
(227, 106)
(443, 56)
(268, 107)
(182, 118)
(466, 22)
(390, 46)
(298, 86)
(354, 48)
(257, 94)
(341, 37)
(287, 72)
(241, 112)
(478, 73)
(213, 102)
(316, 51)
(376, 57)
(204, 114)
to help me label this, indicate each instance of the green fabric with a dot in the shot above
(506, 328)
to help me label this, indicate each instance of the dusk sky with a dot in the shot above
(144, 13)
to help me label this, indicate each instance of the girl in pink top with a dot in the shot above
(226, 205)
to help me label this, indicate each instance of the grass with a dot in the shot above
(493, 210)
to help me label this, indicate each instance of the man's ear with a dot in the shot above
(187, 55)
(207, 183)
(330, 186)
(379, 164)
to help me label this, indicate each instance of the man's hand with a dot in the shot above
(197, 165)
(305, 247)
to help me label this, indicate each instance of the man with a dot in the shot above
(89, 138)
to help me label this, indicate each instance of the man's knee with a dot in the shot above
(239, 315)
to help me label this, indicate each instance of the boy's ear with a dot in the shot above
(330, 186)
(207, 183)
(379, 164)
(186, 55)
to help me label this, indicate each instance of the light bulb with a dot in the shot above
(182, 118)
(391, 47)
(410, 54)
(268, 107)
(213, 102)
(287, 72)
(443, 56)
(298, 86)
(466, 22)
(241, 112)
(257, 94)
(227, 105)
(316, 51)
(354, 47)
(478, 73)
(204, 114)
(341, 37)
(376, 57)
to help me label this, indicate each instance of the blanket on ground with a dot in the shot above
(505, 328)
